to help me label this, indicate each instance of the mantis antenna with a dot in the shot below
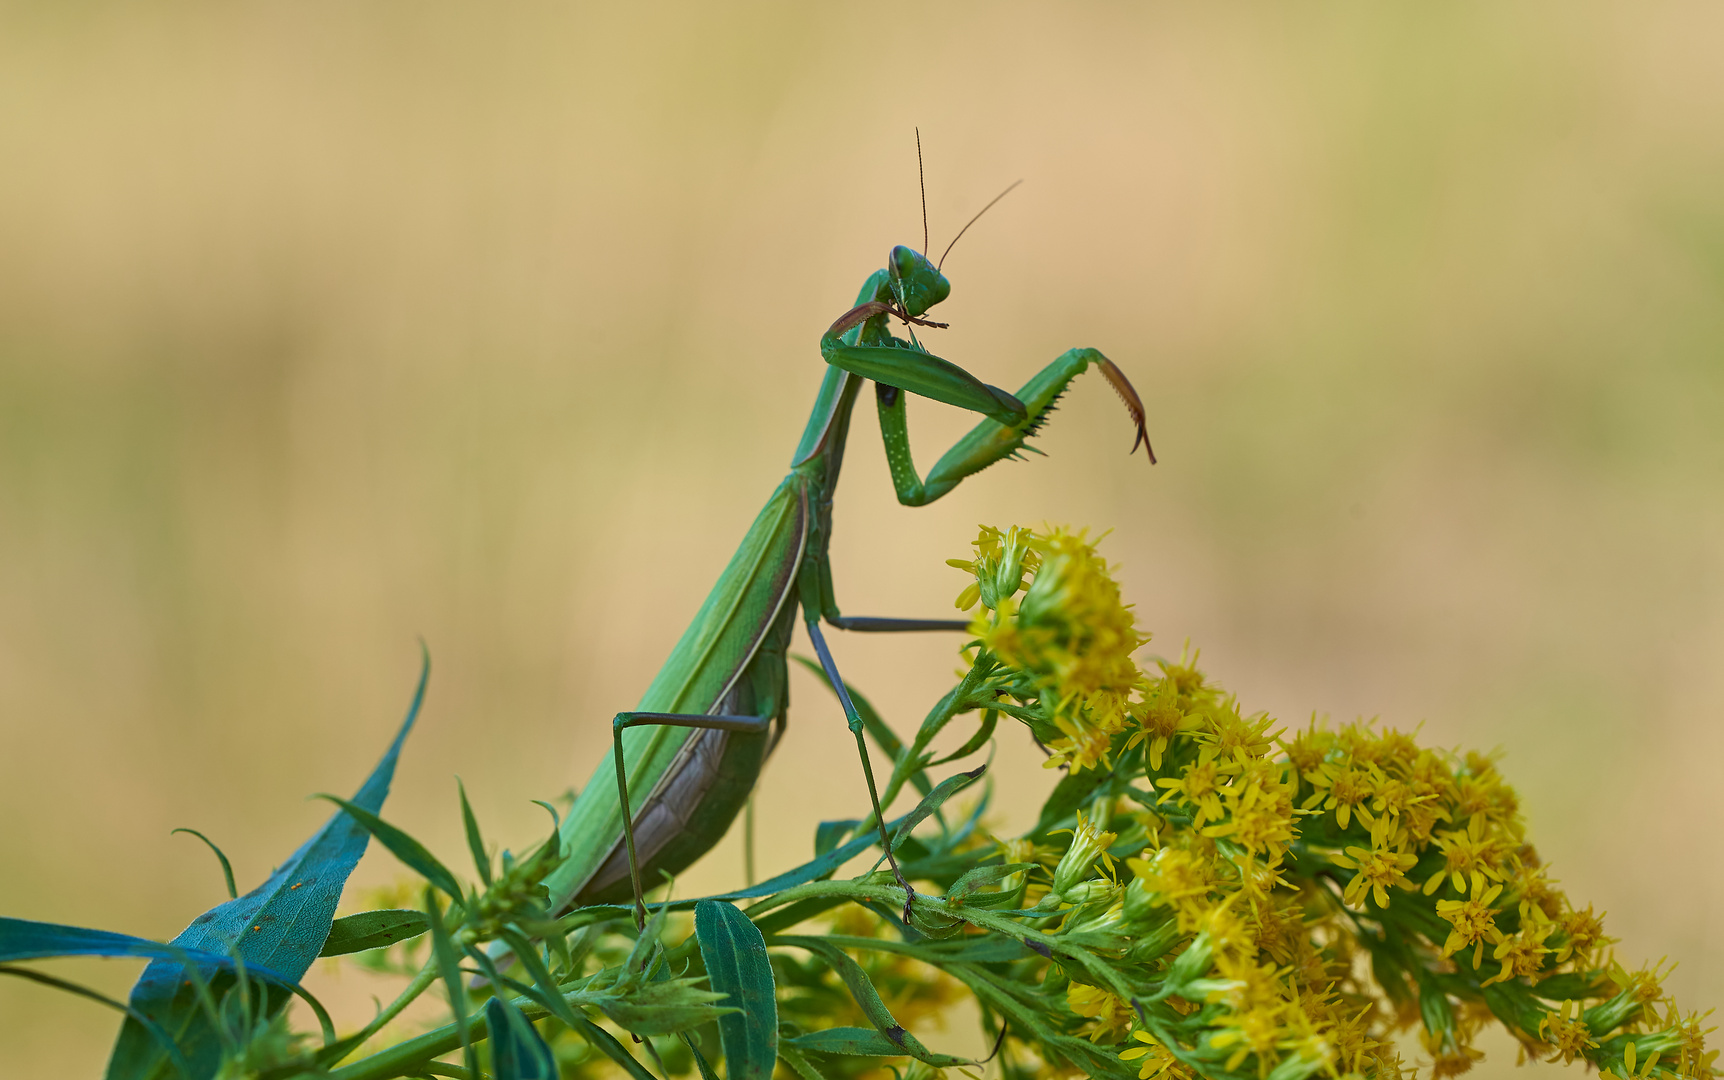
(922, 179)
(972, 221)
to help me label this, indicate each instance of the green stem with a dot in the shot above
(411, 1057)
(421, 982)
(1046, 944)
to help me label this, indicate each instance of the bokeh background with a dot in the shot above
(324, 328)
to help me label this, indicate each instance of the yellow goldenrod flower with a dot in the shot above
(1071, 631)
(1157, 1059)
(1197, 787)
(1582, 932)
(1378, 867)
(1234, 738)
(1474, 923)
(1567, 1034)
(1310, 748)
(1084, 747)
(1182, 674)
(1255, 1031)
(1179, 877)
(1523, 954)
(1340, 788)
(1110, 1017)
(1469, 853)
(1630, 1058)
(1452, 1053)
(1159, 719)
(1002, 560)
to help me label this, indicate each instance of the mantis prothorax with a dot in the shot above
(686, 759)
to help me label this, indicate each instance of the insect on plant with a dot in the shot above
(1177, 911)
(683, 763)
(686, 758)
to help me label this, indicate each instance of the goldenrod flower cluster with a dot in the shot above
(1274, 905)
(1204, 894)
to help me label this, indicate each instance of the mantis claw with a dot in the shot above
(1133, 404)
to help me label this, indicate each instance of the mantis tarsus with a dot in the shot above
(686, 759)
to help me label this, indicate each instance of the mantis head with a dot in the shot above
(918, 284)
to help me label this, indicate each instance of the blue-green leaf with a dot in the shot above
(517, 1050)
(373, 930)
(22, 939)
(280, 926)
(737, 965)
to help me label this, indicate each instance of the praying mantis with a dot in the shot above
(686, 759)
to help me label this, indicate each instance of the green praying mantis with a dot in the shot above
(686, 759)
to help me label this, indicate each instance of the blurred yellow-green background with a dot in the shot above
(327, 327)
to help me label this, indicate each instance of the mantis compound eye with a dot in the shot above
(919, 285)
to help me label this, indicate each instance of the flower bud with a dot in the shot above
(1088, 844)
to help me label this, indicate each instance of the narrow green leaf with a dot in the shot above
(553, 994)
(226, 867)
(373, 930)
(700, 1061)
(449, 967)
(556, 818)
(800, 1065)
(518, 1052)
(829, 834)
(403, 847)
(854, 1041)
(553, 1002)
(475, 842)
(737, 965)
(868, 998)
(611, 1048)
(981, 949)
(990, 720)
(947, 788)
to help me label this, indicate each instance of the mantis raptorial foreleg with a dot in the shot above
(991, 440)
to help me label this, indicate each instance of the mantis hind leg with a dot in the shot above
(752, 725)
(990, 440)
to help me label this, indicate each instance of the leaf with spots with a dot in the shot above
(280, 925)
(373, 930)
(892, 1038)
